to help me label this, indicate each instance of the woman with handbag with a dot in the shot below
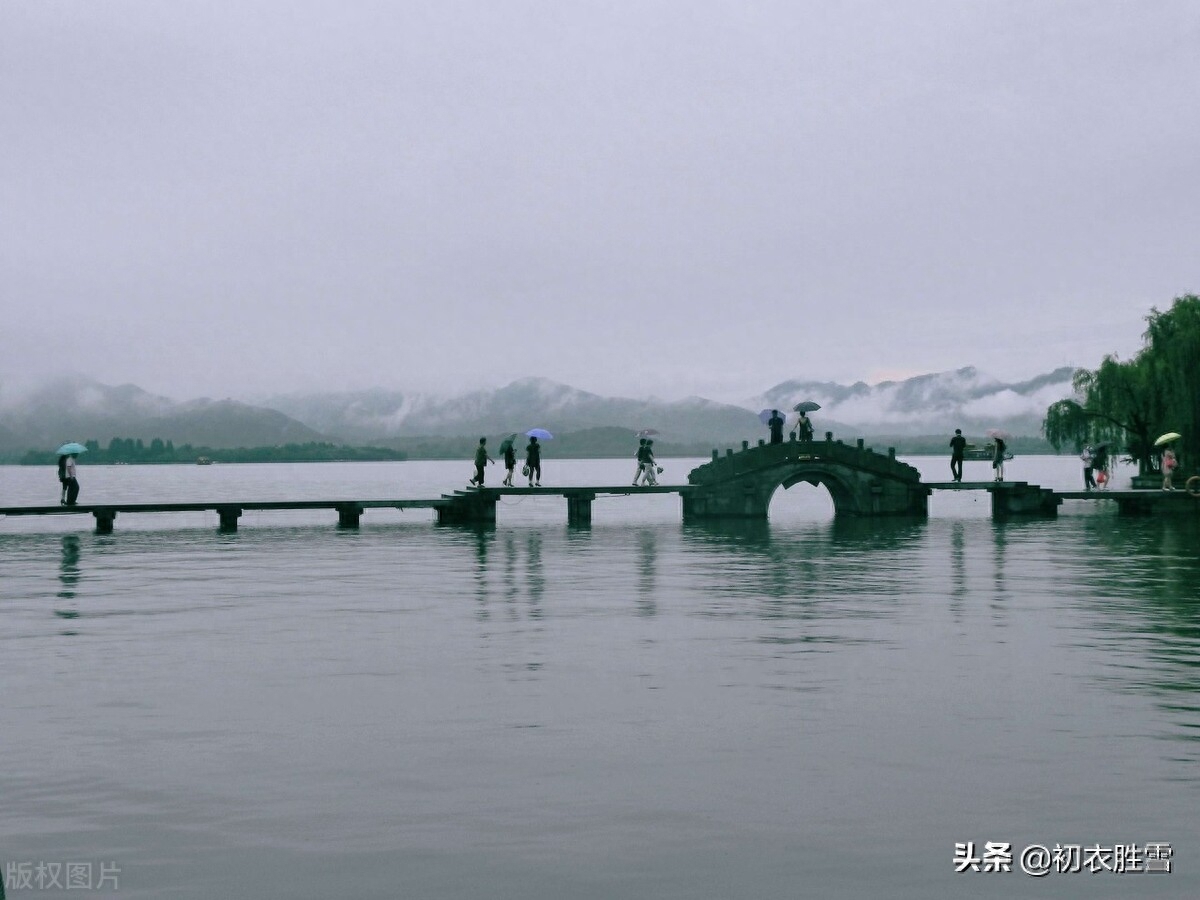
(533, 462)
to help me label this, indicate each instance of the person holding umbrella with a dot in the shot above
(1169, 462)
(999, 451)
(533, 455)
(998, 457)
(62, 478)
(510, 458)
(67, 454)
(804, 426)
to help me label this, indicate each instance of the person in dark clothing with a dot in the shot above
(481, 460)
(510, 461)
(533, 462)
(62, 480)
(641, 462)
(775, 423)
(958, 446)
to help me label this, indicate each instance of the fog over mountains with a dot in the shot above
(44, 415)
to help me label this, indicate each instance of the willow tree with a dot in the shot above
(1130, 403)
(1116, 405)
(1173, 351)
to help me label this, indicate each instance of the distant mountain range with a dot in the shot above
(76, 409)
(79, 409)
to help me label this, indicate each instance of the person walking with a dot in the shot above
(1168, 468)
(533, 462)
(958, 447)
(1089, 465)
(72, 483)
(641, 461)
(510, 461)
(775, 423)
(481, 460)
(998, 458)
(650, 467)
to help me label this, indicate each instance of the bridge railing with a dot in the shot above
(755, 458)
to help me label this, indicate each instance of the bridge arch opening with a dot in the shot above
(804, 501)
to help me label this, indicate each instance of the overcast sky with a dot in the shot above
(230, 197)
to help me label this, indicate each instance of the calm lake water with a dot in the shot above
(811, 708)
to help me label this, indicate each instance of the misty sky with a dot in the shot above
(229, 198)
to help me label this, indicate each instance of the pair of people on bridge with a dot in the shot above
(647, 467)
(802, 430)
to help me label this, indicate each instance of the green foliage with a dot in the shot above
(1129, 403)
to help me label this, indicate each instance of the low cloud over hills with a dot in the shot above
(927, 404)
(78, 409)
(74, 409)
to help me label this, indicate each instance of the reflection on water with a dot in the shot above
(69, 568)
(647, 571)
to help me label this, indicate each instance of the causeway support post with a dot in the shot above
(104, 520)
(349, 514)
(229, 516)
(468, 508)
(1019, 498)
(579, 508)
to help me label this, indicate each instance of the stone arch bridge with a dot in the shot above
(860, 481)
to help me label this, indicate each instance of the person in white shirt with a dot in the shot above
(71, 482)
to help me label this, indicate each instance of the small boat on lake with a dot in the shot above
(986, 453)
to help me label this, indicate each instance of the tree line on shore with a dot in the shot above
(159, 451)
(593, 443)
(1128, 404)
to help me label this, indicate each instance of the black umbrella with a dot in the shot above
(807, 406)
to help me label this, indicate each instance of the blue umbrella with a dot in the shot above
(540, 433)
(68, 449)
(764, 416)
